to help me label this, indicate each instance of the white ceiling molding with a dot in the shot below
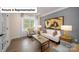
(54, 11)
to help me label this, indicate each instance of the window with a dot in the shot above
(27, 23)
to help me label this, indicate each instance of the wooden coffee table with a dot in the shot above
(44, 42)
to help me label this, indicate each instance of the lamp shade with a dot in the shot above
(39, 26)
(66, 27)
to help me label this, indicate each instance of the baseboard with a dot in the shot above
(18, 37)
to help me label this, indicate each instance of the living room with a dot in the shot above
(51, 29)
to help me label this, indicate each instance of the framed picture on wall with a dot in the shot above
(54, 23)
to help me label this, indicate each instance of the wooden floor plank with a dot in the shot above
(26, 45)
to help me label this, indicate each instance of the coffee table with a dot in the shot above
(44, 41)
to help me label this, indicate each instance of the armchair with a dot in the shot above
(30, 32)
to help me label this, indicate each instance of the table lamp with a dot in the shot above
(66, 29)
(39, 29)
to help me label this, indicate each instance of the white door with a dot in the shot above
(1, 19)
(1, 23)
(7, 27)
(5, 31)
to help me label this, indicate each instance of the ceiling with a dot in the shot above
(46, 10)
(43, 11)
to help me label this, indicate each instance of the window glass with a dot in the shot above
(28, 23)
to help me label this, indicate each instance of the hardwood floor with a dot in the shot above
(26, 45)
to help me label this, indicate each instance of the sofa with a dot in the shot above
(49, 35)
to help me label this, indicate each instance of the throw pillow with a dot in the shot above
(55, 33)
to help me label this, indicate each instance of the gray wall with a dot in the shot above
(71, 17)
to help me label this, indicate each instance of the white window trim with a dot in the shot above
(23, 30)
